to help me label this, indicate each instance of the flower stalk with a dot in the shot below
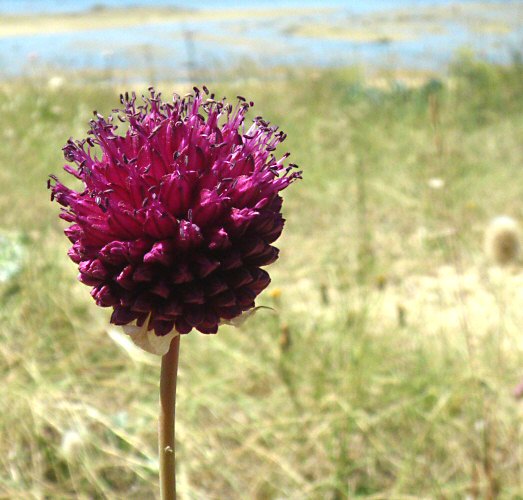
(175, 219)
(166, 422)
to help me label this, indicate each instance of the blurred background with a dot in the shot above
(176, 40)
(386, 366)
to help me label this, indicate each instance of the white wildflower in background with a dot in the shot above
(436, 183)
(56, 82)
(72, 444)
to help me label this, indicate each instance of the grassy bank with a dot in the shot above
(385, 371)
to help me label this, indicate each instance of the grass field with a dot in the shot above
(386, 370)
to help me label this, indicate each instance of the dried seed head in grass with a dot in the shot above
(503, 240)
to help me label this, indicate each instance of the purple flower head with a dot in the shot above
(178, 214)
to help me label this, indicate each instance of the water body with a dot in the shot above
(412, 34)
(61, 6)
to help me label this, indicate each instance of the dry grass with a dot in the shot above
(387, 369)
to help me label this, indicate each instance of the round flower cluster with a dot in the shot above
(177, 214)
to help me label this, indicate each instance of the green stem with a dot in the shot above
(166, 444)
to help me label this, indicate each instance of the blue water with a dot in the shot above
(189, 49)
(57, 6)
